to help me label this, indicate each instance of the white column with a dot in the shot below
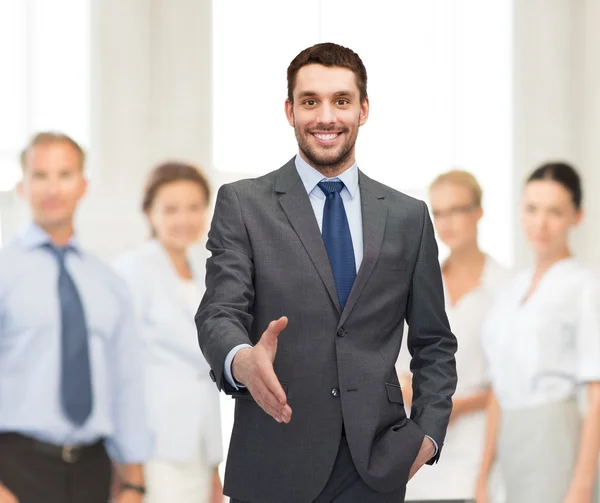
(544, 91)
(151, 74)
(181, 80)
(587, 98)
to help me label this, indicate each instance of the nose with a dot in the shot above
(53, 187)
(326, 114)
(540, 221)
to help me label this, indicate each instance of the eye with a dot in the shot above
(342, 102)
(310, 103)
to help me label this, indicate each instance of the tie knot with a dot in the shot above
(59, 253)
(329, 188)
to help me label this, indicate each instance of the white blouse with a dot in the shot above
(466, 319)
(182, 401)
(191, 291)
(542, 349)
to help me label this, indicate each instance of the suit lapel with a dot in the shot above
(374, 215)
(296, 205)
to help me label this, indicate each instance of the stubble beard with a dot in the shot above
(331, 163)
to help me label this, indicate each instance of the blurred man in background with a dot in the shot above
(71, 384)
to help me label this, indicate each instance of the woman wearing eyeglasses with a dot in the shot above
(542, 341)
(470, 280)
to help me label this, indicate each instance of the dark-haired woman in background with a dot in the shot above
(167, 283)
(542, 341)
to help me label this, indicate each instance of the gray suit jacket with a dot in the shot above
(337, 367)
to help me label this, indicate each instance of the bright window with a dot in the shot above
(44, 63)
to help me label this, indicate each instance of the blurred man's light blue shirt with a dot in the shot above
(30, 350)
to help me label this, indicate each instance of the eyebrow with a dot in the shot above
(307, 94)
(310, 94)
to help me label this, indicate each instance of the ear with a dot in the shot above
(479, 213)
(84, 188)
(289, 112)
(20, 189)
(579, 216)
(364, 111)
(148, 215)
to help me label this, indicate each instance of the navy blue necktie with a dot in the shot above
(337, 239)
(76, 381)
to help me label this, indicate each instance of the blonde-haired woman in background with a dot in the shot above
(542, 341)
(470, 279)
(167, 283)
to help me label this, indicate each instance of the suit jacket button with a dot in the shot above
(335, 392)
(212, 376)
(341, 332)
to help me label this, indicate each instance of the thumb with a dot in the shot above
(274, 329)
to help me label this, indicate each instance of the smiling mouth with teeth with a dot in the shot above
(326, 136)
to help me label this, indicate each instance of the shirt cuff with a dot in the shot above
(134, 448)
(228, 361)
(436, 446)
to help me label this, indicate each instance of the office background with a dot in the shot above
(493, 86)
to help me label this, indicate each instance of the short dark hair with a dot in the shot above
(328, 54)
(169, 172)
(47, 138)
(562, 173)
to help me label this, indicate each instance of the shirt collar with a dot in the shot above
(311, 177)
(33, 236)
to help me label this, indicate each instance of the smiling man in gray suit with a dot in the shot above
(314, 270)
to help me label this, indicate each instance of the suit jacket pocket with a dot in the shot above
(244, 394)
(394, 393)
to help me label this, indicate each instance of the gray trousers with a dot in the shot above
(346, 486)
